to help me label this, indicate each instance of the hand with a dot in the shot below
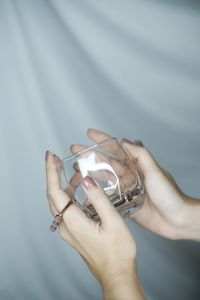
(107, 247)
(167, 211)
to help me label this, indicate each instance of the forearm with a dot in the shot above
(190, 229)
(124, 287)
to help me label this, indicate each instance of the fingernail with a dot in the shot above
(47, 155)
(72, 147)
(139, 143)
(136, 142)
(75, 166)
(127, 141)
(89, 183)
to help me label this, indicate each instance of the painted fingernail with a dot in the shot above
(139, 143)
(136, 142)
(47, 155)
(76, 167)
(127, 141)
(89, 183)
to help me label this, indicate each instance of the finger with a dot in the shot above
(65, 234)
(100, 201)
(73, 217)
(57, 196)
(77, 147)
(145, 160)
(54, 191)
(106, 142)
(52, 207)
(97, 136)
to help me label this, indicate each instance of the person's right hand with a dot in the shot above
(167, 211)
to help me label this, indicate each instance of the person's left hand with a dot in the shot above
(107, 247)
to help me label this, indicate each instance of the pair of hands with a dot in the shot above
(108, 247)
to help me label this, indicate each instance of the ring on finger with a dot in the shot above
(59, 216)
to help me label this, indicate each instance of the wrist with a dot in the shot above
(123, 284)
(190, 227)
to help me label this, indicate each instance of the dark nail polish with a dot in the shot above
(139, 143)
(136, 142)
(127, 141)
(76, 167)
(47, 155)
(89, 183)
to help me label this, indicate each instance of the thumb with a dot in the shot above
(100, 201)
(142, 156)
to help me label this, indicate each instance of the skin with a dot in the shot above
(167, 210)
(108, 247)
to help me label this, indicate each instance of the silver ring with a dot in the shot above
(59, 216)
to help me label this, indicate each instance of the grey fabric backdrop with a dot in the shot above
(131, 68)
